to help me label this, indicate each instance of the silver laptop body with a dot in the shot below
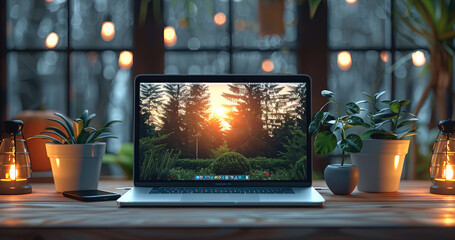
(202, 141)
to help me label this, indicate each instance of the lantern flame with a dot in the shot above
(12, 172)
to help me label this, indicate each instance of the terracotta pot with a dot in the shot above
(34, 123)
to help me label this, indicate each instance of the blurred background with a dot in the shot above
(70, 55)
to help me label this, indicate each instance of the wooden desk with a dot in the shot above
(411, 212)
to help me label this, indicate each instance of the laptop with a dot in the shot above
(222, 140)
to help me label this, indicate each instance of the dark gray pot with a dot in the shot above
(341, 180)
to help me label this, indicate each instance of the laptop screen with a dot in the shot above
(215, 131)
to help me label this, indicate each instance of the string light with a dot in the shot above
(344, 60)
(125, 60)
(52, 40)
(418, 58)
(170, 37)
(384, 56)
(219, 18)
(267, 65)
(108, 31)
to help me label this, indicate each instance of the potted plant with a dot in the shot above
(76, 153)
(330, 130)
(381, 159)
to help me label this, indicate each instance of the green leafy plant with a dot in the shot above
(78, 131)
(330, 128)
(124, 159)
(231, 163)
(386, 118)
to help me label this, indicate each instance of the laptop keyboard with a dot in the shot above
(221, 190)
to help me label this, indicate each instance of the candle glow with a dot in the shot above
(13, 172)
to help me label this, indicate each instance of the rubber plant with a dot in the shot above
(386, 119)
(330, 128)
(78, 131)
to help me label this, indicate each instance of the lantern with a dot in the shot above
(443, 160)
(15, 168)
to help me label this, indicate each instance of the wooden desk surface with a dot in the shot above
(412, 210)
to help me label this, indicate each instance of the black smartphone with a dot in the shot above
(91, 195)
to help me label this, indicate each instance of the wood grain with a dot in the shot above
(411, 207)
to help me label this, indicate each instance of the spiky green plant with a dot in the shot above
(77, 132)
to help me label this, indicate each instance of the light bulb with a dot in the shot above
(52, 40)
(170, 37)
(344, 60)
(125, 60)
(108, 31)
(219, 18)
(267, 65)
(418, 58)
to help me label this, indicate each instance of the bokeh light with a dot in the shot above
(52, 40)
(344, 60)
(418, 58)
(170, 37)
(125, 60)
(351, 1)
(219, 18)
(267, 65)
(108, 31)
(384, 56)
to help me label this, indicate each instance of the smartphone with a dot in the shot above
(91, 195)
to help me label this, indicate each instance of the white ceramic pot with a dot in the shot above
(380, 164)
(76, 166)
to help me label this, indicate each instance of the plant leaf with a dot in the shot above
(54, 140)
(406, 122)
(327, 94)
(379, 95)
(404, 102)
(316, 123)
(67, 121)
(89, 120)
(57, 130)
(354, 120)
(55, 133)
(368, 96)
(78, 125)
(395, 106)
(70, 133)
(325, 142)
(352, 143)
(385, 115)
(407, 135)
(352, 108)
(313, 4)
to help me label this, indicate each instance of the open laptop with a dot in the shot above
(224, 140)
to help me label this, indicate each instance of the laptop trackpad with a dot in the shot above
(220, 198)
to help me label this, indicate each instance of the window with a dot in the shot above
(230, 36)
(365, 39)
(62, 61)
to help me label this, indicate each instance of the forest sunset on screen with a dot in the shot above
(222, 131)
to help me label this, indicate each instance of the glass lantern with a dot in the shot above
(443, 160)
(15, 168)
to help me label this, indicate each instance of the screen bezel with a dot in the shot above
(159, 78)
